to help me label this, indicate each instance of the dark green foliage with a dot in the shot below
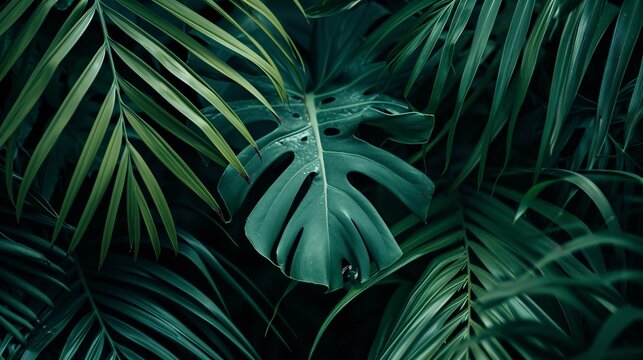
(315, 221)
(329, 129)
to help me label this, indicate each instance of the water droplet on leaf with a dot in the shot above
(350, 273)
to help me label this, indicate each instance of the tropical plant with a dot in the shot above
(463, 178)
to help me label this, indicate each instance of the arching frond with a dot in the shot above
(450, 45)
(494, 288)
(31, 271)
(128, 310)
(125, 94)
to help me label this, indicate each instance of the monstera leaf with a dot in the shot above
(333, 225)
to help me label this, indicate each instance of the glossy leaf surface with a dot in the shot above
(333, 223)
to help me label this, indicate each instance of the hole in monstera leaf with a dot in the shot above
(371, 134)
(262, 127)
(327, 100)
(331, 131)
(296, 115)
(296, 98)
(293, 250)
(305, 138)
(385, 111)
(361, 236)
(262, 183)
(303, 190)
(390, 208)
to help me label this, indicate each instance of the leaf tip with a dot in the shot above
(256, 148)
(517, 217)
(221, 216)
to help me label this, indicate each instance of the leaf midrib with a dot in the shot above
(311, 111)
(94, 308)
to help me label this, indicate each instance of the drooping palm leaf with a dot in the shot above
(113, 60)
(511, 50)
(626, 32)
(128, 310)
(485, 291)
(30, 270)
(520, 268)
(53, 302)
(582, 32)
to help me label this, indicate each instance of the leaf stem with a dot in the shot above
(95, 310)
(110, 57)
(311, 112)
(468, 265)
(103, 27)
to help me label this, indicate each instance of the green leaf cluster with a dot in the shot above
(463, 178)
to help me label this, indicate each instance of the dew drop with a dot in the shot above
(350, 273)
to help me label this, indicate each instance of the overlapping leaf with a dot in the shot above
(112, 60)
(51, 302)
(312, 222)
(484, 291)
(510, 49)
(333, 224)
(32, 273)
(29, 270)
(128, 310)
(330, 7)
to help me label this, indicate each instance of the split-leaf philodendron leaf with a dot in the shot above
(334, 223)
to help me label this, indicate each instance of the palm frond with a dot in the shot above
(30, 271)
(634, 109)
(110, 105)
(52, 301)
(127, 310)
(582, 31)
(508, 48)
(496, 285)
(126, 97)
(330, 7)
